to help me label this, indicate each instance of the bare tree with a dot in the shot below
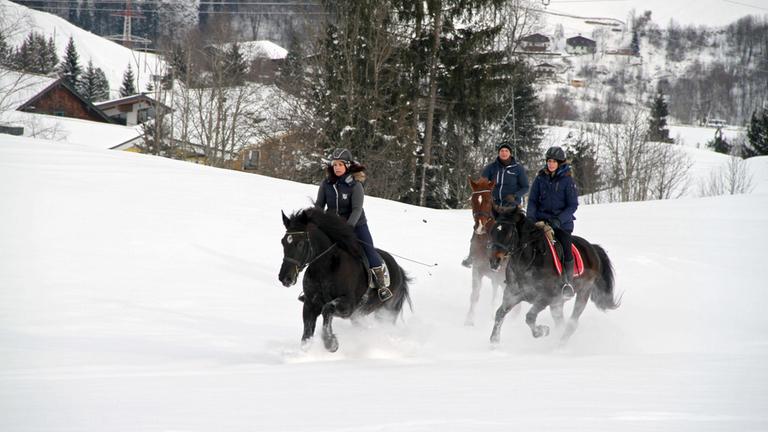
(731, 179)
(638, 169)
(668, 166)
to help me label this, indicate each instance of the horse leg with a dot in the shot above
(530, 318)
(310, 319)
(556, 309)
(582, 297)
(477, 283)
(329, 339)
(509, 301)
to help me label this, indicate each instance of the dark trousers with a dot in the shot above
(564, 237)
(364, 235)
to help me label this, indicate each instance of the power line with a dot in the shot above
(746, 4)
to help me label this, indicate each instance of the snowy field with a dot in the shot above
(141, 294)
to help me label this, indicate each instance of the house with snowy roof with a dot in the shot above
(535, 42)
(133, 110)
(579, 45)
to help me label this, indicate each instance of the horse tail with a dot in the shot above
(403, 294)
(399, 284)
(603, 296)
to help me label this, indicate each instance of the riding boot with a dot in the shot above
(382, 283)
(567, 289)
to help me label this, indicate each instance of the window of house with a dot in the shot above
(251, 160)
(143, 115)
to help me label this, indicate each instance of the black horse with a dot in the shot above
(532, 275)
(336, 281)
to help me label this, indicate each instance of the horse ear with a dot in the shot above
(286, 221)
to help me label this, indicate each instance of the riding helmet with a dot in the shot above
(341, 154)
(555, 153)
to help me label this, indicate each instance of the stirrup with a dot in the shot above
(384, 294)
(567, 291)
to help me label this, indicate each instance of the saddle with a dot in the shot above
(557, 252)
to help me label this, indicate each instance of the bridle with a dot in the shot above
(512, 252)
(309, 252)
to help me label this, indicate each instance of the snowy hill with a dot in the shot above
(141, 294)
(111, 57)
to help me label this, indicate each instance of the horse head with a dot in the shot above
(505, 236)
(297, 248)
(482, 204)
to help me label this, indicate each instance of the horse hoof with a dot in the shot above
(306, 344)
(540, 330)
(332, 344)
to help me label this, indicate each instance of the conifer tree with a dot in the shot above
(5, 51)
(635, 44)
(235, 66)
(35, 55)
(70, 69)
(757, 134)
(657, 127)
(719, 144)
(93, 84)
(128, 87)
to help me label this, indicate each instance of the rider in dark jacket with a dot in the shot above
(342, 192)
(511, 183)
(511, 177)
(554, 200)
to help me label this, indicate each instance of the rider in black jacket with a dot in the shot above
(342, 192)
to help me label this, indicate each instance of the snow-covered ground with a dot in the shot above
(141, 294)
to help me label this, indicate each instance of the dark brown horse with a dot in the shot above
(479, 249)
(536, 280)
(336, 281)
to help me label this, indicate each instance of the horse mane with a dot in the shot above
(331, 225)
(525, 226)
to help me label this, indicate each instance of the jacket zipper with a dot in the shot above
(337, 200)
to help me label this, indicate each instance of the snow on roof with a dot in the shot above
(17, 88)
(127, 99)
(76, 131)
(263, 49)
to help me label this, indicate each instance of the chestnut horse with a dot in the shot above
(479, 249)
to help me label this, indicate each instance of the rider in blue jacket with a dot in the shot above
(511, 177)
(554, 200)
(342, 192)
(511, 182)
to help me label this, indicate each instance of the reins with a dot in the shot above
(308, 257)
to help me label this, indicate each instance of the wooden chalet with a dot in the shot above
(60, 99)
(578, 45)
(535, 42)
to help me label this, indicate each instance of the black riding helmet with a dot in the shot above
(341, 154)
(555, 153)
